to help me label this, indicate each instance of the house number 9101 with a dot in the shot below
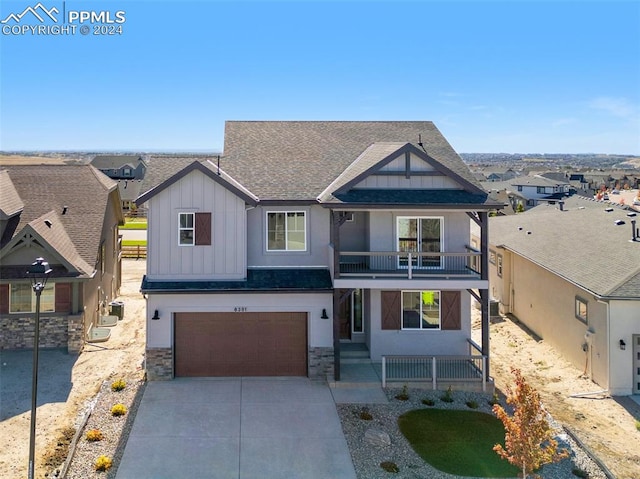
(240, 309)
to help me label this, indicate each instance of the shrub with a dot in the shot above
(365, 415)
(103, 463)
(580, 473)
(472, 404)
(428, 402)
(118, 385)
(118, 410)
(494, 399)
(390, 466)
(447, 396)
(404, 395)
(638, 425)
(94, 435)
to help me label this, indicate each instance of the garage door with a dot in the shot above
(240, 344)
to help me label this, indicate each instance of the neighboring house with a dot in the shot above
(538, 188)
(499, 174)
(69, 215)
(128, 171)
(308, 236)
(571, 273)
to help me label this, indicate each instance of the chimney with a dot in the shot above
(561, 205)
(634, 236)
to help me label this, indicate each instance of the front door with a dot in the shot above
(636, 364)
(351, 317)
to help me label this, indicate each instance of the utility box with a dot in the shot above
(116, 308)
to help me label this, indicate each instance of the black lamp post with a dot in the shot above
(38, 273)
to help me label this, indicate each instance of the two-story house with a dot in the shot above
(68, 215)
(308, 235)
(128, 170)
(536, 188)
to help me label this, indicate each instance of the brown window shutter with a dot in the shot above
(4, 298)
(450, 310)
(391, 310)
(203, 228)
(63, 297)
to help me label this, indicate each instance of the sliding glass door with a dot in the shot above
(419, 235)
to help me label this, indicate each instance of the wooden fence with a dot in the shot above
(137, 252)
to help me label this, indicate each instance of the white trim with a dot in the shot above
(193, 228)
(397, 238)
(439, 328)
(285, 212)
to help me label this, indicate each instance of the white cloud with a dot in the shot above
(620, 107)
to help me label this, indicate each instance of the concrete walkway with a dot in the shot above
(240, 428)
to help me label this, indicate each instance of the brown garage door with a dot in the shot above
(240, 344)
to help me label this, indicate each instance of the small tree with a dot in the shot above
(528, 439)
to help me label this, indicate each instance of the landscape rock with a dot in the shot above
(376, 437)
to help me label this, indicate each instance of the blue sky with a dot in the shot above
(517, 77)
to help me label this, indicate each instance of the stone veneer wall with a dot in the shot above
(17, 332)
(321, 363)
(75, 333)
(159, 364)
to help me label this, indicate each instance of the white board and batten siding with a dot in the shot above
(224, 259)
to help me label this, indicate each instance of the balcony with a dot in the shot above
(408, 265)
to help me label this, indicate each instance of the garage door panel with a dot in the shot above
(240, 344)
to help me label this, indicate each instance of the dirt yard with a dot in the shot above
(605, 425)
(121, 356)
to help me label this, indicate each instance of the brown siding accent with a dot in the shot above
(4, 298)
(240, 344)
(451, 316)
(203, 228)
(391, 310)
(63, 297)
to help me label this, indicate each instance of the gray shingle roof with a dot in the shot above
(581, 244)
(297, 160)
(10, 201)
(110, 162)
(280, 279)
(161, 168)
(81, 188)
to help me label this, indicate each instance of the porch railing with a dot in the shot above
(408, 264)
(434, 369)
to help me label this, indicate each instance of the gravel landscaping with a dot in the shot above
(367, 457)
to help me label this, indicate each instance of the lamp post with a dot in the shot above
(38, 273)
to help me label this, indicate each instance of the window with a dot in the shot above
(581, 309)
(103, 259)
(350, 217)
(540, 190)
(421, 310)
(194, 229)
(286, 231)
(492, 257)
(499, 265)
(356, 311)
(127, 172)
(186, 229)
(23, 299)
(519, 187)
(420, 235)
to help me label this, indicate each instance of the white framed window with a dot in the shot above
(581, 310)
(186, 229)
(22, 298)
(420, 235)
(420, 309)
(286, 231)
(499, 265)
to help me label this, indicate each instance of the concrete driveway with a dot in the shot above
(240, 428)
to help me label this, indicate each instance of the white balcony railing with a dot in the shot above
(381, 264)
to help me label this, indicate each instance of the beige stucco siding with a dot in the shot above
(625, 323)
(224, 259)
(545, 303)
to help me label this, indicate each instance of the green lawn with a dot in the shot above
(457, 442)
(134, 242)
(134, 224)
